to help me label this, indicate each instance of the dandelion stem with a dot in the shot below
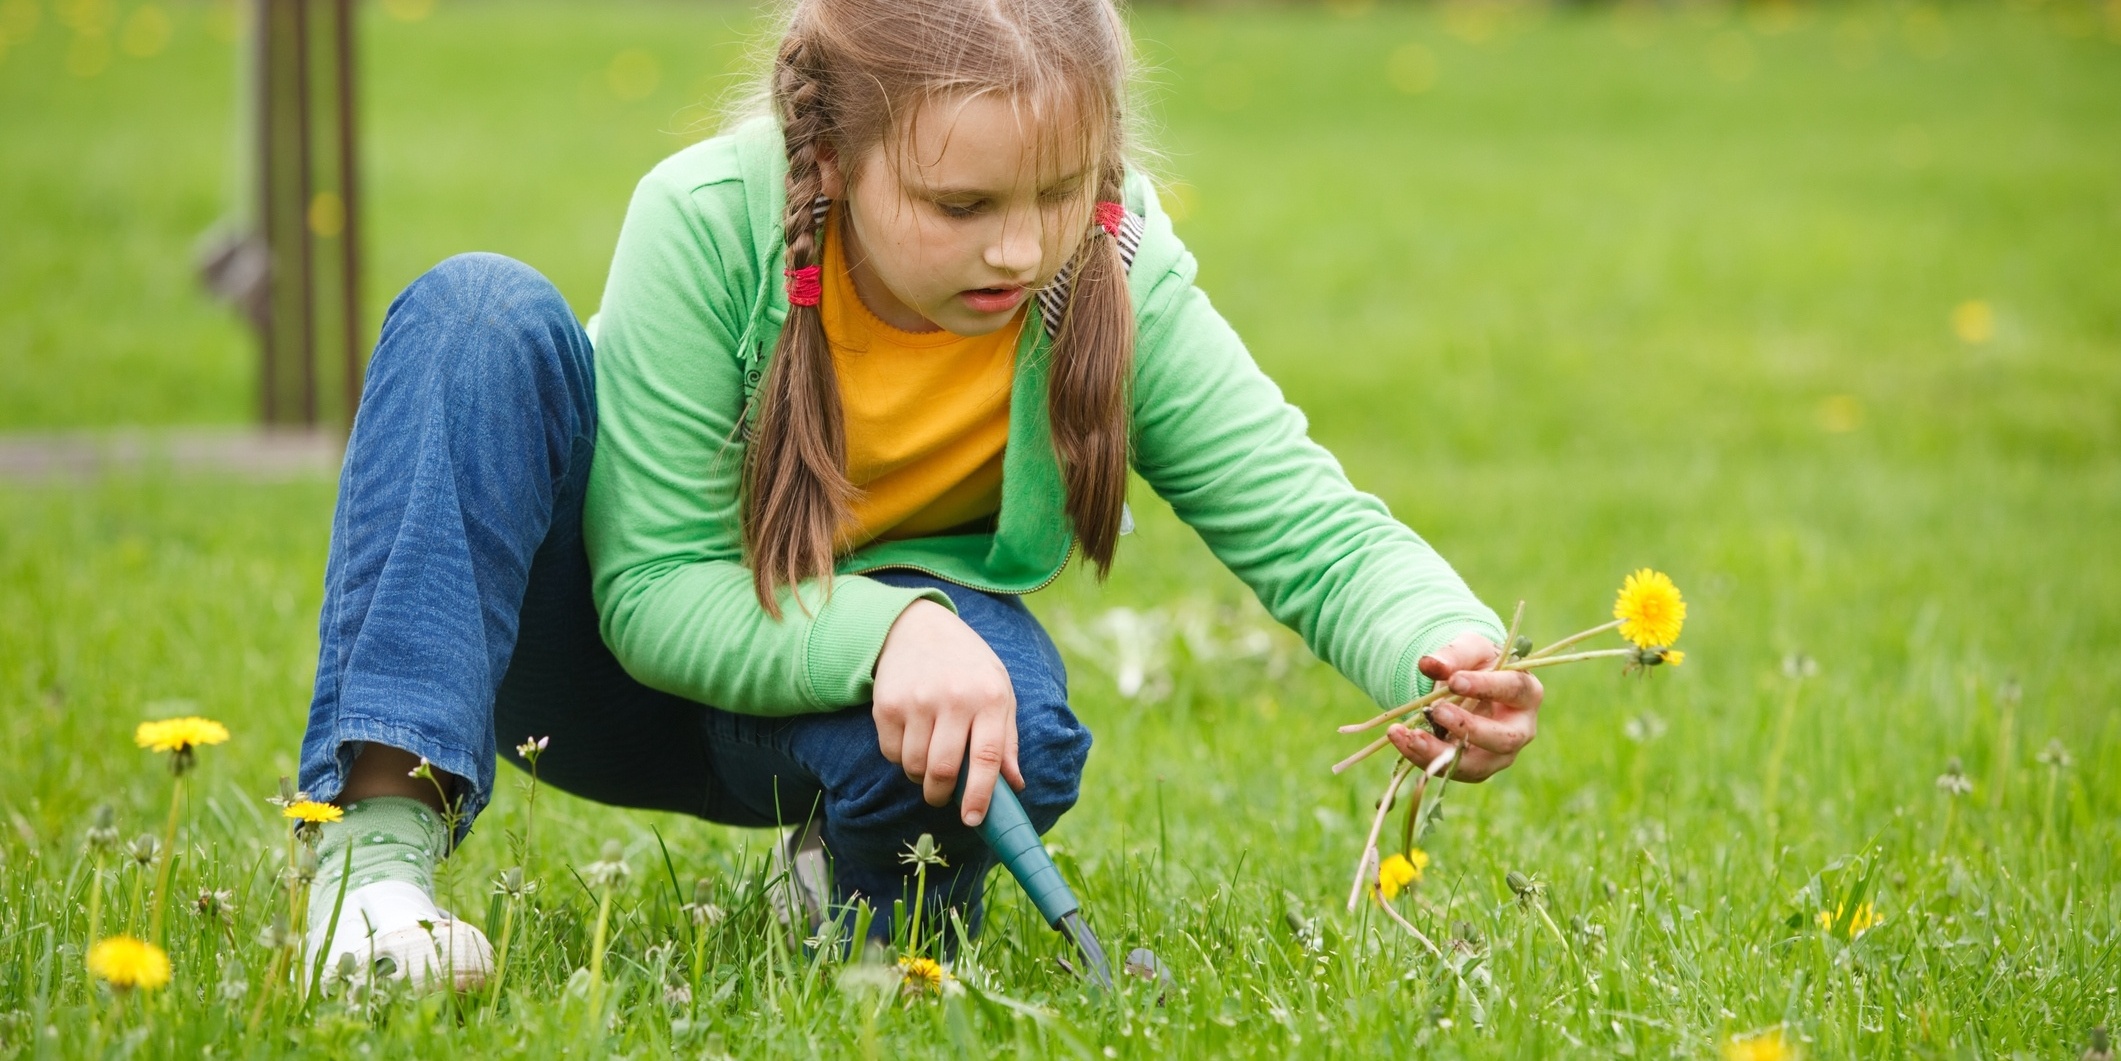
(96, 892)
(1542, 658)
(500, 963)
(1573, 639)
(596, 960)
(1415, 704)
(1573, 657)
(1409, 926)
(1364, 866)
(1781, 747)
(1424, 808)
(920, 898)
(169, 855)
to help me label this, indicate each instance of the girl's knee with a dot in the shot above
(482, 282)
(1052, 748)
(487, 318)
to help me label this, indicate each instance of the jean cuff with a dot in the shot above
(475, 785)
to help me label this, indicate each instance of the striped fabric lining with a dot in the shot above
(1053, 298)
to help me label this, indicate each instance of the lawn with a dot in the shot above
(1815, 308)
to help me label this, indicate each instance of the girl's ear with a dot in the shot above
(832, 184)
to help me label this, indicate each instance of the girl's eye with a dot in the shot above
(959, 209)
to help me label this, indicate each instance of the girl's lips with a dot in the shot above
(993, 299)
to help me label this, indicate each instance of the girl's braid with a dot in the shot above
(796, 492)
(1093, 361)
(803, 123)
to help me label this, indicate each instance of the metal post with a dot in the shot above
(305, 199)
(272, 274)
(349, 234)
(267, 319)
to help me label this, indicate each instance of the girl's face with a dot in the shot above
(956, 227)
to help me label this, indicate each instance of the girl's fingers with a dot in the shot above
(946, 755)
(1422, 747)
(1504, 736)
(1471, 652)
(890, 735)
(913, 747)
(989, 747)
(1010, 768)
(1515, 688)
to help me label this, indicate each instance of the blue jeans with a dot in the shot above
(457, 604)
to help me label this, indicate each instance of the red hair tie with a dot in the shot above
(1109, 216)
(806, 286)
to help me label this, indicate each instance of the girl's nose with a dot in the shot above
(1016, 250)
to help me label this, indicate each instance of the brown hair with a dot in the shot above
(846, 75)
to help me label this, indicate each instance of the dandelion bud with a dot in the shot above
(1521, 647)
(216, 905)
(304, 867)
(233, 986)
(924, 852)
(144, 849)
(609, 870)
(1528, 889)
(103, 829)
(277, 934)
(1798, 666)
(510, 883)
(2055, 756)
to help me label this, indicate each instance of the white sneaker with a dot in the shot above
(805, 882)
(397, 921)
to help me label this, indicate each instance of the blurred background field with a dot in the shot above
(1815, 307)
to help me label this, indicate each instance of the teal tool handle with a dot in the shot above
(1007, 830)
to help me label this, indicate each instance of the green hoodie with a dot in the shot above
(691, 311)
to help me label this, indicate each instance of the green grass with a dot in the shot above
(1617, 289)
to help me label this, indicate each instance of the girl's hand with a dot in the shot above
(940, 691)
(1500, 717)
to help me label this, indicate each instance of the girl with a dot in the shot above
(868, 369)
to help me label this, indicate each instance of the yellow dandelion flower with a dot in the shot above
(179, 734)
(311, 812)
(126, 963)
(924, 974)
(1649, 609)
(1400, 872)
(1673, 657)
(1863, 920)
(1767, 1046)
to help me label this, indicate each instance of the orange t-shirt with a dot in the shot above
(927, 414)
